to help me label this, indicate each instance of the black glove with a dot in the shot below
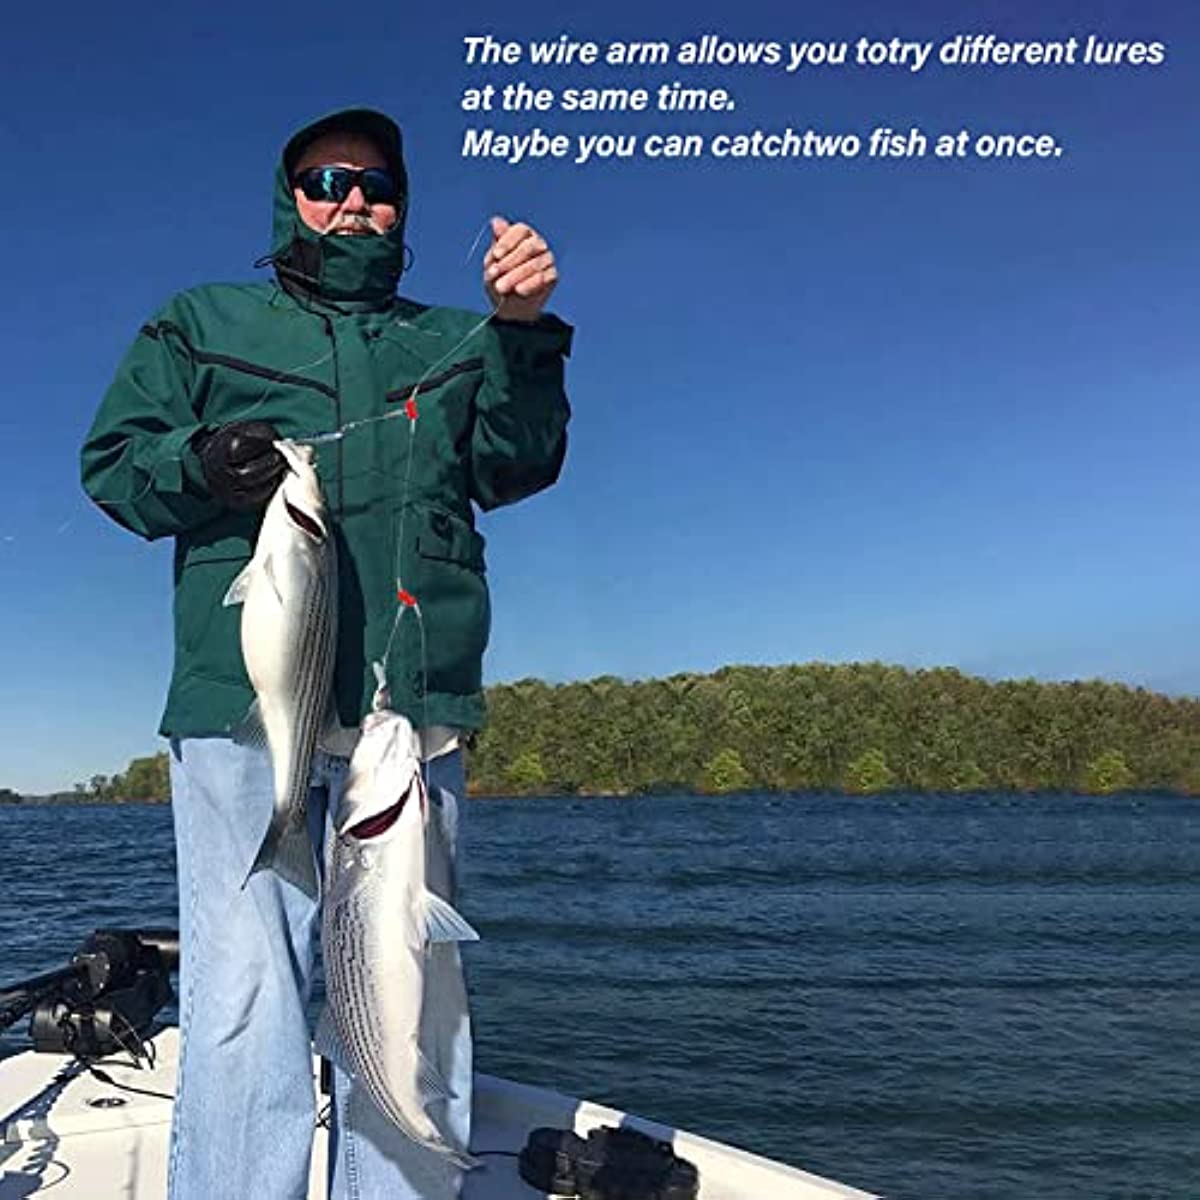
(241, 466)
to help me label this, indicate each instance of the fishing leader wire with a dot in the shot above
(405, 600)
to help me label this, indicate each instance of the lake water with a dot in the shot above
(970, 997)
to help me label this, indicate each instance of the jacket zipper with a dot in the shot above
(337, 412)
(234, 364)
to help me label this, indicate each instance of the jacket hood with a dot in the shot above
(333, 267)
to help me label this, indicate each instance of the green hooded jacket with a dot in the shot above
(325, 345)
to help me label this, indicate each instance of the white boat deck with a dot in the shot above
(67, 1135)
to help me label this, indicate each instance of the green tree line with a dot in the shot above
(144, 779)
(859, 727)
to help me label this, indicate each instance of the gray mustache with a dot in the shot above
(356, 222)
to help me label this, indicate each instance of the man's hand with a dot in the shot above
(518, 271)
(241, 465)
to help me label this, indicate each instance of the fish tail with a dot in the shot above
(288, 851)
(465, 1162)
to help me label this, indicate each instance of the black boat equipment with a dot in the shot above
(103, 1001)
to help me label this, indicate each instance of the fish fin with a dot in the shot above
(444, 923)
(464, 1161)
(250, 731)
(289, 853)
(364, 1116)
(433, 1088)
(240, 585)
(431, 1085)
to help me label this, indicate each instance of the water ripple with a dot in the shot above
(972, 996)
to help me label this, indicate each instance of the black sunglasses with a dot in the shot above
(334, 184)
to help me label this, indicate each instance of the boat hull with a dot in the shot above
(69, 1135)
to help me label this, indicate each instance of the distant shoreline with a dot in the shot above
(726, 797)
(802, 728)
(70, 800)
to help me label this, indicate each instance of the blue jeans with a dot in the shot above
(244, 1108)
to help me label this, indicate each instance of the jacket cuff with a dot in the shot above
(526, 340)
(192, 471)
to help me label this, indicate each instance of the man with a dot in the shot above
(182, 446)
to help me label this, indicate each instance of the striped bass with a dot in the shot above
(381, 927)
(288, 593)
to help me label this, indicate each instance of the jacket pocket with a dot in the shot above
(208, 635)
(447, 576)
(443, 536)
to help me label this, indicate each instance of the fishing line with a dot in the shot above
(244, 415)
(474, 245)
(336, 435)
(405, 600)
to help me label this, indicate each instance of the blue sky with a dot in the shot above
(927, 412)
